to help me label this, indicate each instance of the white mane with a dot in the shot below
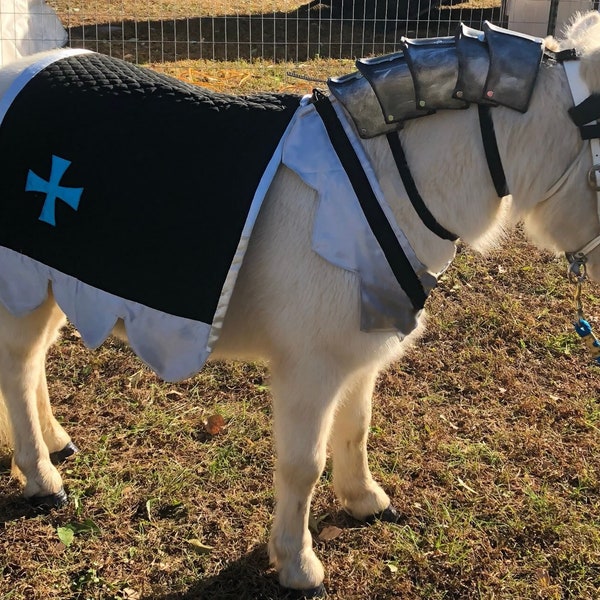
(583, 34)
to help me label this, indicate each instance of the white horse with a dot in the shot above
(302, 314)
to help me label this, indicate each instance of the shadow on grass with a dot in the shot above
(249, 577)
(13, 506)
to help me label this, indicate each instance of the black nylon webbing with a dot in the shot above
(586, 111)
(411, 189)
(590, 132)
(490, 146)
(380, 226)
(561, 56)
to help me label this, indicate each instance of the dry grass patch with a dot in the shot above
(486, 436)
(80, 12)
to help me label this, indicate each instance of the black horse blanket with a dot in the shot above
(133, 187)
(134, 195)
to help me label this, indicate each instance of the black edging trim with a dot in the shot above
(411, 189)
(381, 228)
(490, 146)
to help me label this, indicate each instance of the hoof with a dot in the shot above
(51, 501)
(62, 455)
(316, 592)
(389, 515)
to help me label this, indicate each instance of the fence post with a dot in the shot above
(552, 14)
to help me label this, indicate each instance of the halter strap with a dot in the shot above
(587, 112)
(411, 189)
(583, 100)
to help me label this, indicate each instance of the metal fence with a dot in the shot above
(331, 28)
(144, 31)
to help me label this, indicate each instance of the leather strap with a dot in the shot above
(490, 146)
(411, 189)
(380, 226)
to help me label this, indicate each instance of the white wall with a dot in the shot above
(28, 26)
(531, 16)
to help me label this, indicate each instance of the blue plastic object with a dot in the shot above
(584, 330)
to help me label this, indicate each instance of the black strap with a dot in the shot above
(380, 226)
(490, 145)
(590, 132)
(587, 112)
(562, 55)
(411, 189)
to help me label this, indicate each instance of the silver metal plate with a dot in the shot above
(358, 98)
(392, 82)
(514, 64)
(473, 65)
(433, 63)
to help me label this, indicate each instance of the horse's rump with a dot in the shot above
(124, 198)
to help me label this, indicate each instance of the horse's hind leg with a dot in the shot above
(355, 488)
(57, 439)
(23, 345)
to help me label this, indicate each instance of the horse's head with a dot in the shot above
(573, 207)
(584, 36)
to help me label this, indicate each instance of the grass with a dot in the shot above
(78, 12)
(487, 437)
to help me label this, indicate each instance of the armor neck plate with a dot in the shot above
(473, 65)
(490, 67)
(390, 78)
(514, 64)
(358, 98)
(433, 63)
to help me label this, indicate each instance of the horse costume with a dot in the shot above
(350, 214)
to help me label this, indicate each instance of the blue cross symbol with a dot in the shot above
(53, 190)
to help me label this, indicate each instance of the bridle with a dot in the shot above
(585, 114)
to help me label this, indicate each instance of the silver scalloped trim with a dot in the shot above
(341, 234)
(174, 347)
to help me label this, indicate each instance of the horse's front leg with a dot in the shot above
(354, 485)
(304, 397)
(57, 439)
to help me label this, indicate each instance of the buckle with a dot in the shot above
(594, 178)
